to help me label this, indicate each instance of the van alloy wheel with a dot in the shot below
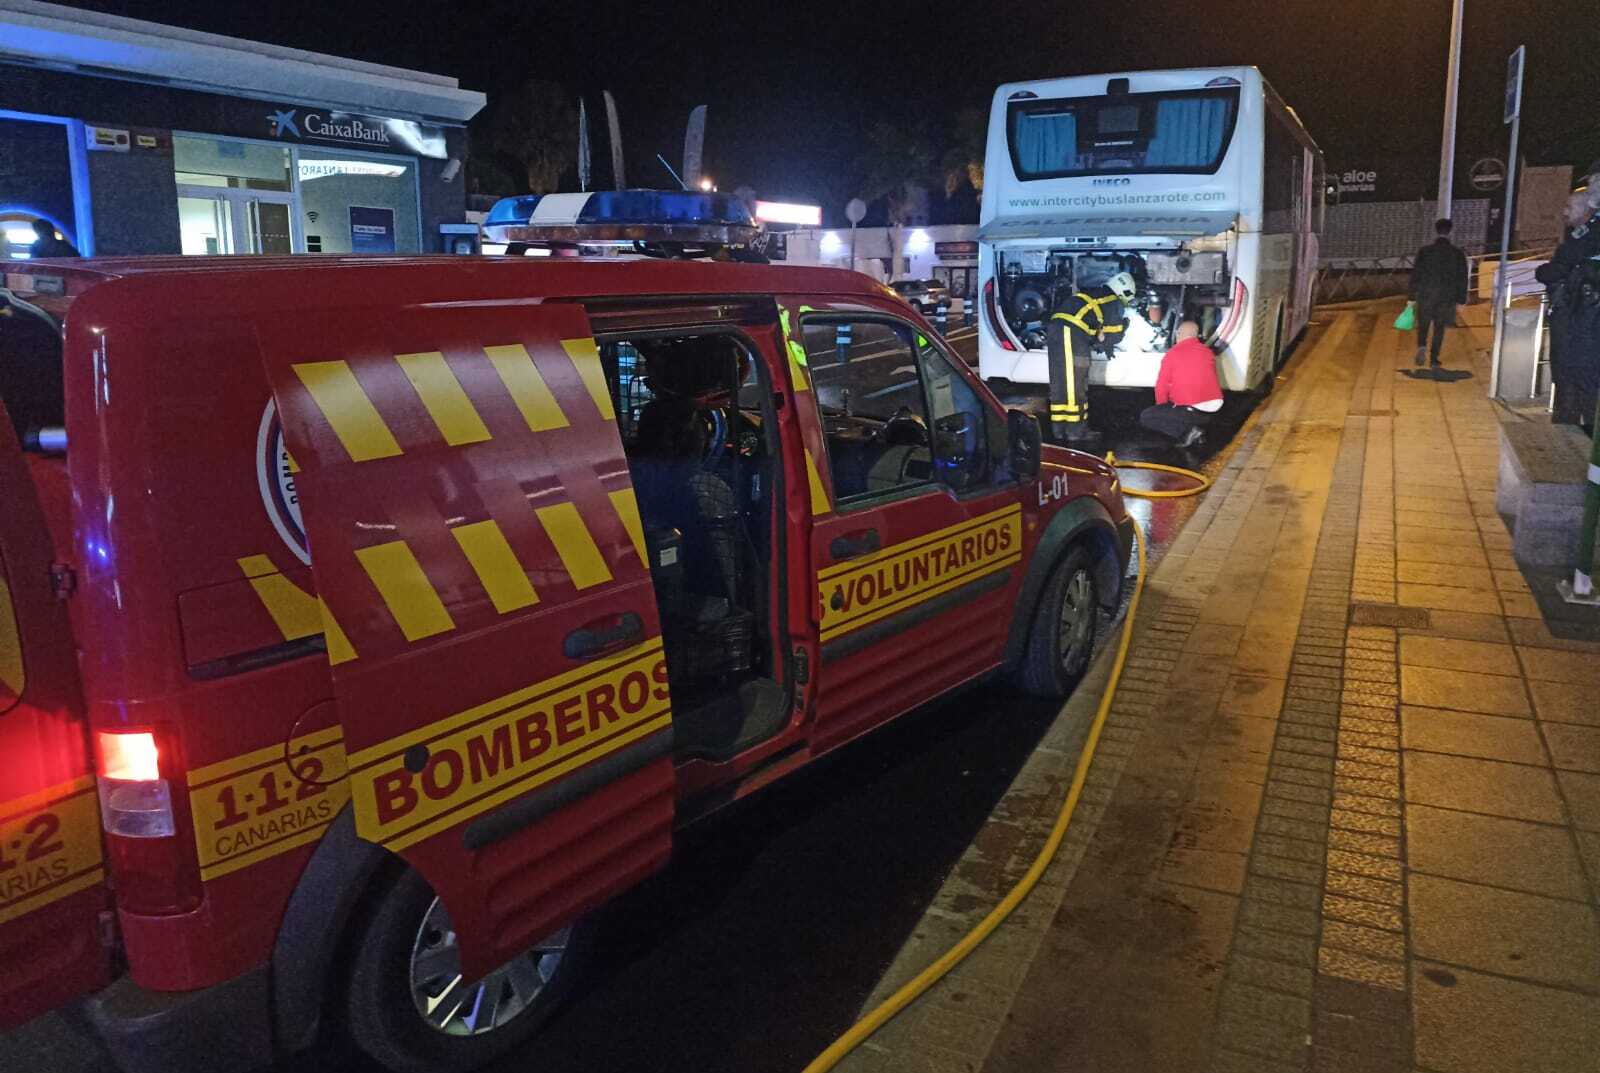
(457, 1007)
(1075, 636)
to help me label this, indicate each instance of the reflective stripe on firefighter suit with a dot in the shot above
(1072, 333)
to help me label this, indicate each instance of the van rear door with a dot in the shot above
(489, 616)
(52, 875)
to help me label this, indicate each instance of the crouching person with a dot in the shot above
(1187, 391)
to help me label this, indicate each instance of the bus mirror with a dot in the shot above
(1024, 444)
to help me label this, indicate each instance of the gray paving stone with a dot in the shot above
(1472, 1023)
(1272, 975)
(1487, 786)
(1295, 849)
(1313, 812)
(1505, 932)
(1281, 891)
(1282, 868)
(1298, 950)
(1283, 918)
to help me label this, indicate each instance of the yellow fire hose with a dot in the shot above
(925, 979)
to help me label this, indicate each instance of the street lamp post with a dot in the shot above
(1447, 151)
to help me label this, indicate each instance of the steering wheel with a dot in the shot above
(904, 429)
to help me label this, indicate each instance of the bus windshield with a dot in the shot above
(1185, 131)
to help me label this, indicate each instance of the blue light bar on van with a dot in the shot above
(621, 216)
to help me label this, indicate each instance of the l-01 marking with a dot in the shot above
(1052, 488)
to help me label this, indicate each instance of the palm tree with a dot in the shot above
(535, 125)
(963, 160)
(897, 166)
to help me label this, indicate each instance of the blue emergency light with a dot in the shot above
(622, 217)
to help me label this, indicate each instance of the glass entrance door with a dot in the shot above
(205, 223)
(225, 220)
(267, 226)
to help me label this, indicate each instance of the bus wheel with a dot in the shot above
(1061, 639)
(408, 1006)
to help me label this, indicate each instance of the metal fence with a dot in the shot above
(1354, 279)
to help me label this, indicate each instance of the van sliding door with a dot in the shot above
(489, 617)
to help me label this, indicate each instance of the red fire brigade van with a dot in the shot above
(366, 624)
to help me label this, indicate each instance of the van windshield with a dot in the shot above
(1184, 131)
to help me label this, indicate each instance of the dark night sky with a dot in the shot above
(791, 85)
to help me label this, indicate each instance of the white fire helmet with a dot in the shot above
(1123, 286)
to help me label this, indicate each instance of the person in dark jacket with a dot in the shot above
(1572, 277)
(1438, 285)
(49, 244)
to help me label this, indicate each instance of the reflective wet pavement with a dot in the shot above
(1346, 810)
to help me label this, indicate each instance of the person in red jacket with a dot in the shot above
(1187, 391)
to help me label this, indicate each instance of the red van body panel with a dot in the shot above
(359, 533)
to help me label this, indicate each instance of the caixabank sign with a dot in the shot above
(298, 124)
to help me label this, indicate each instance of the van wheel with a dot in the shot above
(1062, 637)
(408, 1007)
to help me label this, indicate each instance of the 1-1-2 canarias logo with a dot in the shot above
(275, 475)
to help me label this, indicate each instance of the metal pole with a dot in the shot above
(1447, 151)
(1502, 286)
(1538, 345)
(852, 246)
(1581, 589)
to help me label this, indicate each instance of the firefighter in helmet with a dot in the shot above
(1086, 319)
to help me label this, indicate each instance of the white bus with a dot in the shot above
(1202, 183)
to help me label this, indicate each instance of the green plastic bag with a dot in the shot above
(1407, 320)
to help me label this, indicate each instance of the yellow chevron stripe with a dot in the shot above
(528, 389)
(293, 610)
(579, 554)
(340, 650)
(627, 508)
(12, 676)
(496, 565)
(355, 420)
(819, 494)
(411, 598)
(586, 358)
(444, 398)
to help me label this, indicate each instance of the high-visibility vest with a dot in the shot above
(1089, 305)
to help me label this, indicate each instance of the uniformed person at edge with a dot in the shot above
(1085, 319)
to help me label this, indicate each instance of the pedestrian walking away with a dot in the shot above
(49, 243)
(1187, 389)
(1572, 277)
(1087, 319)
(1438, 285)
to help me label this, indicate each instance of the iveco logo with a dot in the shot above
(1123, 181)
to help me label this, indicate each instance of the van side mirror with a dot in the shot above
(1024, 444)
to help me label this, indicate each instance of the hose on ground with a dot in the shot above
(914, 988)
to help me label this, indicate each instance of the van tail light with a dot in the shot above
(135, 801)
(154, 870)
(993, 313)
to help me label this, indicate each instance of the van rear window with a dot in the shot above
(30, 361)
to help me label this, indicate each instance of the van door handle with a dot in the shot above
(603, 636)
(853, 545)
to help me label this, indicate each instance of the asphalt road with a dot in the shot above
(759, 943)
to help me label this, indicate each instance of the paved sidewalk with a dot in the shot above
(1346, 811)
